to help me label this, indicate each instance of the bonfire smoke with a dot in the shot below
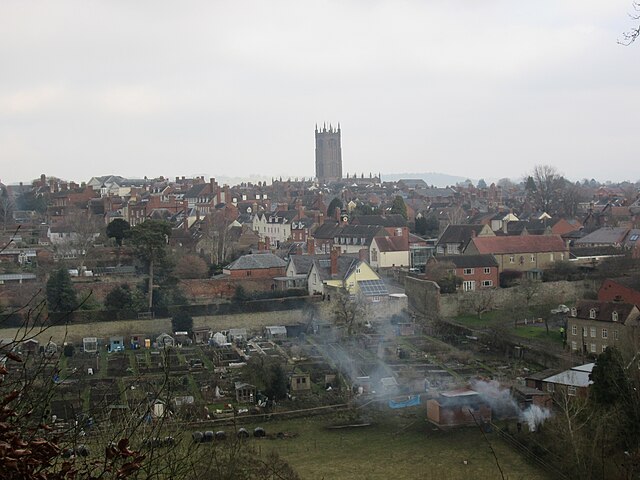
(504, 405)
(535, 416)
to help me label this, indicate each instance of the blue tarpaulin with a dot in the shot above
(410, 402)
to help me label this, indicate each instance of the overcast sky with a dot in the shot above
(475, 88)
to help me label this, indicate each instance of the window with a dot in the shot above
(452, 248)
(615, 334)
(574, 312)
(614, 316)
(512, 259)
(550, 387)
(562, 256)
(374, 255)
(605, 333)
(551, 257)
(375, 298)
(468, 285)
(592, 313)
(584, 331)
(604, 347)
(592, 332)
(574, 329)
(467, 271)
(571, 391)
(487, 270)
(574, 346)
(533, 258)
(248, 273)
(593, 348)
(487, 283)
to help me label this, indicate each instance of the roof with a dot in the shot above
(519, 244)
(392, 220)
(257, 261)
(276, 330)
(575, 377)
(604, 235)
(371, 288)
(459, 233)
(604, 310)
(469, 261)
(303, 263)
(392, 244)
(346, 264)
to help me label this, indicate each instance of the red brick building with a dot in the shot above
(619, 290)
(476, 271)
(261, 265)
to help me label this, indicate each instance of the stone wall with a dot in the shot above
(547, 293)
(423, 296)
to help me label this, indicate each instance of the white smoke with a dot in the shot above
(503, 404)
(535, 416)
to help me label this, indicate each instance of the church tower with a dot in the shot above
(328, 154)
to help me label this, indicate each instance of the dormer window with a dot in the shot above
(592, 313)
(614, 316)
(574, 312)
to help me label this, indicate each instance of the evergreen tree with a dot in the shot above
(118, 229)
(182, 322)
(399, 207)
(149, 241)
(61, 297)
(335, 203)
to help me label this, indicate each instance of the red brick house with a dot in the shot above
(261, 265)
(476, 271)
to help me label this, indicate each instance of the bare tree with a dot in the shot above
(481, 301)
(545, 188)
(349, 310)
(630, 36)
(7, 207)
(84, 230)
(215, 235)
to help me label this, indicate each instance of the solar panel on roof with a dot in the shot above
(373, 287)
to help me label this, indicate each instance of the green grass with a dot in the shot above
(538, 333)
(471, 320)
(393, 447)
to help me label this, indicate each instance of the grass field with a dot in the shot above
(394, 447)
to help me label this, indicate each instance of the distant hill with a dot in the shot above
(432, 178)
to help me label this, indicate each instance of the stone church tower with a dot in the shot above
(328, 154)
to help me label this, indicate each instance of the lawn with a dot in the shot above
(393, 447)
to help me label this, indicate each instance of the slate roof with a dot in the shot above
(469, 261)
(459, 233)
(392, 220)
(303, 263)
(346, 264)
(604, 236)
(256, 262)
(519, 244)
(632, 238)
(604, 311)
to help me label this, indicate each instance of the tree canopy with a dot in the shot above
(149, 240)
(399, 207)
(118, 230)
(61, 297)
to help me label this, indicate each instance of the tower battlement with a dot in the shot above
(328, 153)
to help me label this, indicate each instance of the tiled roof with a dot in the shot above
(392, 244)
(604, 310)
(257, 261)
(469, 261)
(519, 244)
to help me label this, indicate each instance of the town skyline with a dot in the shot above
(474, 91)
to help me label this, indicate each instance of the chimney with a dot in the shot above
(335, 253)
(505, 223)
(311, 246)
(299, 249)
(336, 214)
(363, 255)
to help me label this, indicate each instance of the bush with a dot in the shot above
(510, 278)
